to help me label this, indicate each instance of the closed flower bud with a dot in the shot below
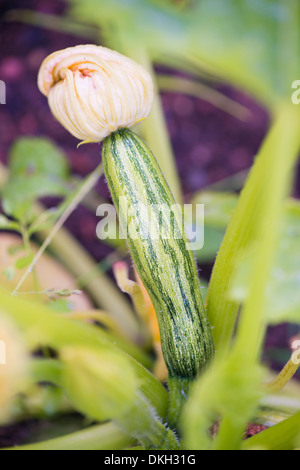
(13, 365)
(93, 91)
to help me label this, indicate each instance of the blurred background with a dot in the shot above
(215, 124)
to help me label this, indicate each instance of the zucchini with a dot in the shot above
(164, 263)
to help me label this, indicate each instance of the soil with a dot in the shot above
(209, 144)
(16, 434)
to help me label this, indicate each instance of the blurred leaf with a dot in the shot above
(20, 192)
(42, 326)
(9, 273)
(24, 262)
(139, 18)
(251, 42)
(256, 220)
(283, 289)
(6, 224)
(101, 384)
(106, 436)
(46, 219)
(228, 387)
(261, 200)
(58, 426)
(54, 22)
(282, 436)
(204, 287)
(37, 169)
(31, 156)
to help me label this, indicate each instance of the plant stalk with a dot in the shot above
(273, 171)
(154, 128)
(84, 189)
(242, 230)
(102, 290)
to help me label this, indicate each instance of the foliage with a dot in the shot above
(103, 360)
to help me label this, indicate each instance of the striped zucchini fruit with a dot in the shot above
(165, 265)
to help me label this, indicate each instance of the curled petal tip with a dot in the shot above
(93, 91)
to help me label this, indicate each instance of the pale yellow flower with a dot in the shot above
(93, 91)
(13, 365)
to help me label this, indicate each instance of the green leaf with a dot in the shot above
(242, 231)
(31, 156)
(61, 306)
(173, 84)
(42, 326)
(37, 169)
(213, 232)
(283, 289)
(204, 287)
